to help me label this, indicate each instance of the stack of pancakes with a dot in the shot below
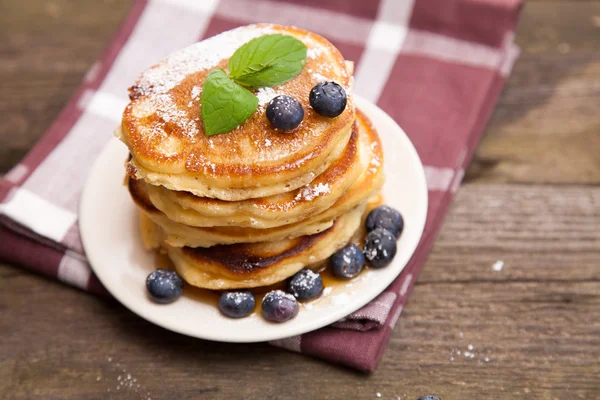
(253, 206)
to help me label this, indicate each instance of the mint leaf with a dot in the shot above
(268, 60)
(225, 104)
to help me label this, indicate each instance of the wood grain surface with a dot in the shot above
(531, 198)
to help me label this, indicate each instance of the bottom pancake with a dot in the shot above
(250, 265)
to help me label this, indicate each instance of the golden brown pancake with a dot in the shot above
(165, 135)
(249, 265)
(179, 235)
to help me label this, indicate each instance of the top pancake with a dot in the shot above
(164, 132)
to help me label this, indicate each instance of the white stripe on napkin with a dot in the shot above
(438, 178)
(383, 45)
(74, 270)
(104, 104)
(16, 173)
(201, 6)
(37, 214)
(446, 48)
(347, 28)
(395, 317)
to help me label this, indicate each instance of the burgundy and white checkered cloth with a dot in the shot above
(435, 66)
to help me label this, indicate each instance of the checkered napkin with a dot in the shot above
(435, 66)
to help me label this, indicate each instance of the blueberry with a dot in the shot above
(430, 397)
(278, 306)
(380, 247)
(285, 112)
(387, 218)
(348, 261)
(306, 285)
(237, 304)
(164, 286)
(328, 99)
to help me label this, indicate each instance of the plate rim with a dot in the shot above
(370, 110)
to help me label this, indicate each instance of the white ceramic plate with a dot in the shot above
(109, 230)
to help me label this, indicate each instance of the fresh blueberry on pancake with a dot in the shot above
(237, 304)
(306, 285)
(164, 286)
(278, 306)
(347, 262)
(387, 218)
(328, 99)
(285, 112)
(380, 247)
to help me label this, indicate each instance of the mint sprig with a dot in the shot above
(225, 104)
(268, 60)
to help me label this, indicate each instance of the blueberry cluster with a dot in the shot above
(327, 99)
(384, 226)
(277, 305)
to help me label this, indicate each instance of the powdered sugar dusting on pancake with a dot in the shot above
(197, 57)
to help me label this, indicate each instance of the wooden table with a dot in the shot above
(531, 198)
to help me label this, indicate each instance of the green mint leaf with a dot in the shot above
(225, 104)
(268, 60)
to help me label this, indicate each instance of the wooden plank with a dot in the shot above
(546, 127)
(542, 234)
(538, 324)
(45, 51)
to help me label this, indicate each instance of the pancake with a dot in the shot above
(163, 130)
(278, 210)
(261, 264)
(179, 235)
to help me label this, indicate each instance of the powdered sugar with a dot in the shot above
(280, 293)
(125, 381)
(308, 193)
(498, 265)
(318, 77)
(236, 297)
(167, 110)
(469, 354)
(265, 95)
(196, 91)
(371, 253)
(306, 279)
(197, 57)
(314, 52)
